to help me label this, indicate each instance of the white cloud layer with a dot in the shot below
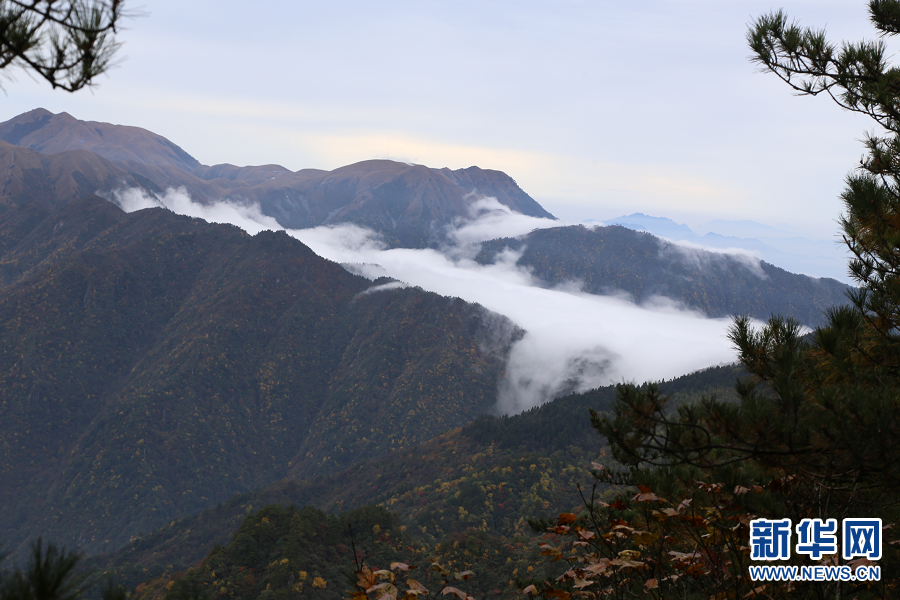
(246, 216)
(574, 341)
(702, 256)
(490, 220)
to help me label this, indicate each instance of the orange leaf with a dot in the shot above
(565, 519)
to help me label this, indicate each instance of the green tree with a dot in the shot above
(49, 575)
(815, 427)
(823, 407)
(66, 42)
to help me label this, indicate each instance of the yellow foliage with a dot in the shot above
(320, 583)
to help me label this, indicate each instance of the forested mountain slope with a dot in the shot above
(155, 364)
(605, 260)
(474, 487)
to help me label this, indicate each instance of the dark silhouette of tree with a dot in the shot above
(66, 42)
(49, 575)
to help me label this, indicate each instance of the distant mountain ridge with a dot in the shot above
(785, 248)
(410, 205)
(605, 260)
(48, 133)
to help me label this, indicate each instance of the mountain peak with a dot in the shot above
(49, 133)
(657, 225)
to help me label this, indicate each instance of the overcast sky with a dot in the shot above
(596, 108)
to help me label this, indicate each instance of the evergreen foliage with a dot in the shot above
(67, 43)
(813, 434)
(51, 573)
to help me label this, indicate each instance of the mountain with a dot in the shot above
(778, 246)
(745, 228)
(155, 364)
(660, 226)
(609, 259)
(467, 491)
(410, 205)
(48, 133)
(57, 179)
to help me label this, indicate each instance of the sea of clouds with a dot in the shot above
(574, 341)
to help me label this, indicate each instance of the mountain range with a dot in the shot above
(60, 159)
(155, 366)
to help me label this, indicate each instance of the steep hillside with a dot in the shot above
(154, 365)
(472, 487)
(606, 260)
(57, 179)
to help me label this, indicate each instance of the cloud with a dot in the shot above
(489, 219)
(573, 342)
(704, 257)
(393, 285)
(248, 217)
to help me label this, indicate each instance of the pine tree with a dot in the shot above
(49, 575)
(65, 42)
(816, 426)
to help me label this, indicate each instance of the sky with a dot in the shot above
(596, 108)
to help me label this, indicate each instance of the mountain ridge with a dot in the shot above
(605, 260)
(50, 133)
(410, 205)
(784, 248)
